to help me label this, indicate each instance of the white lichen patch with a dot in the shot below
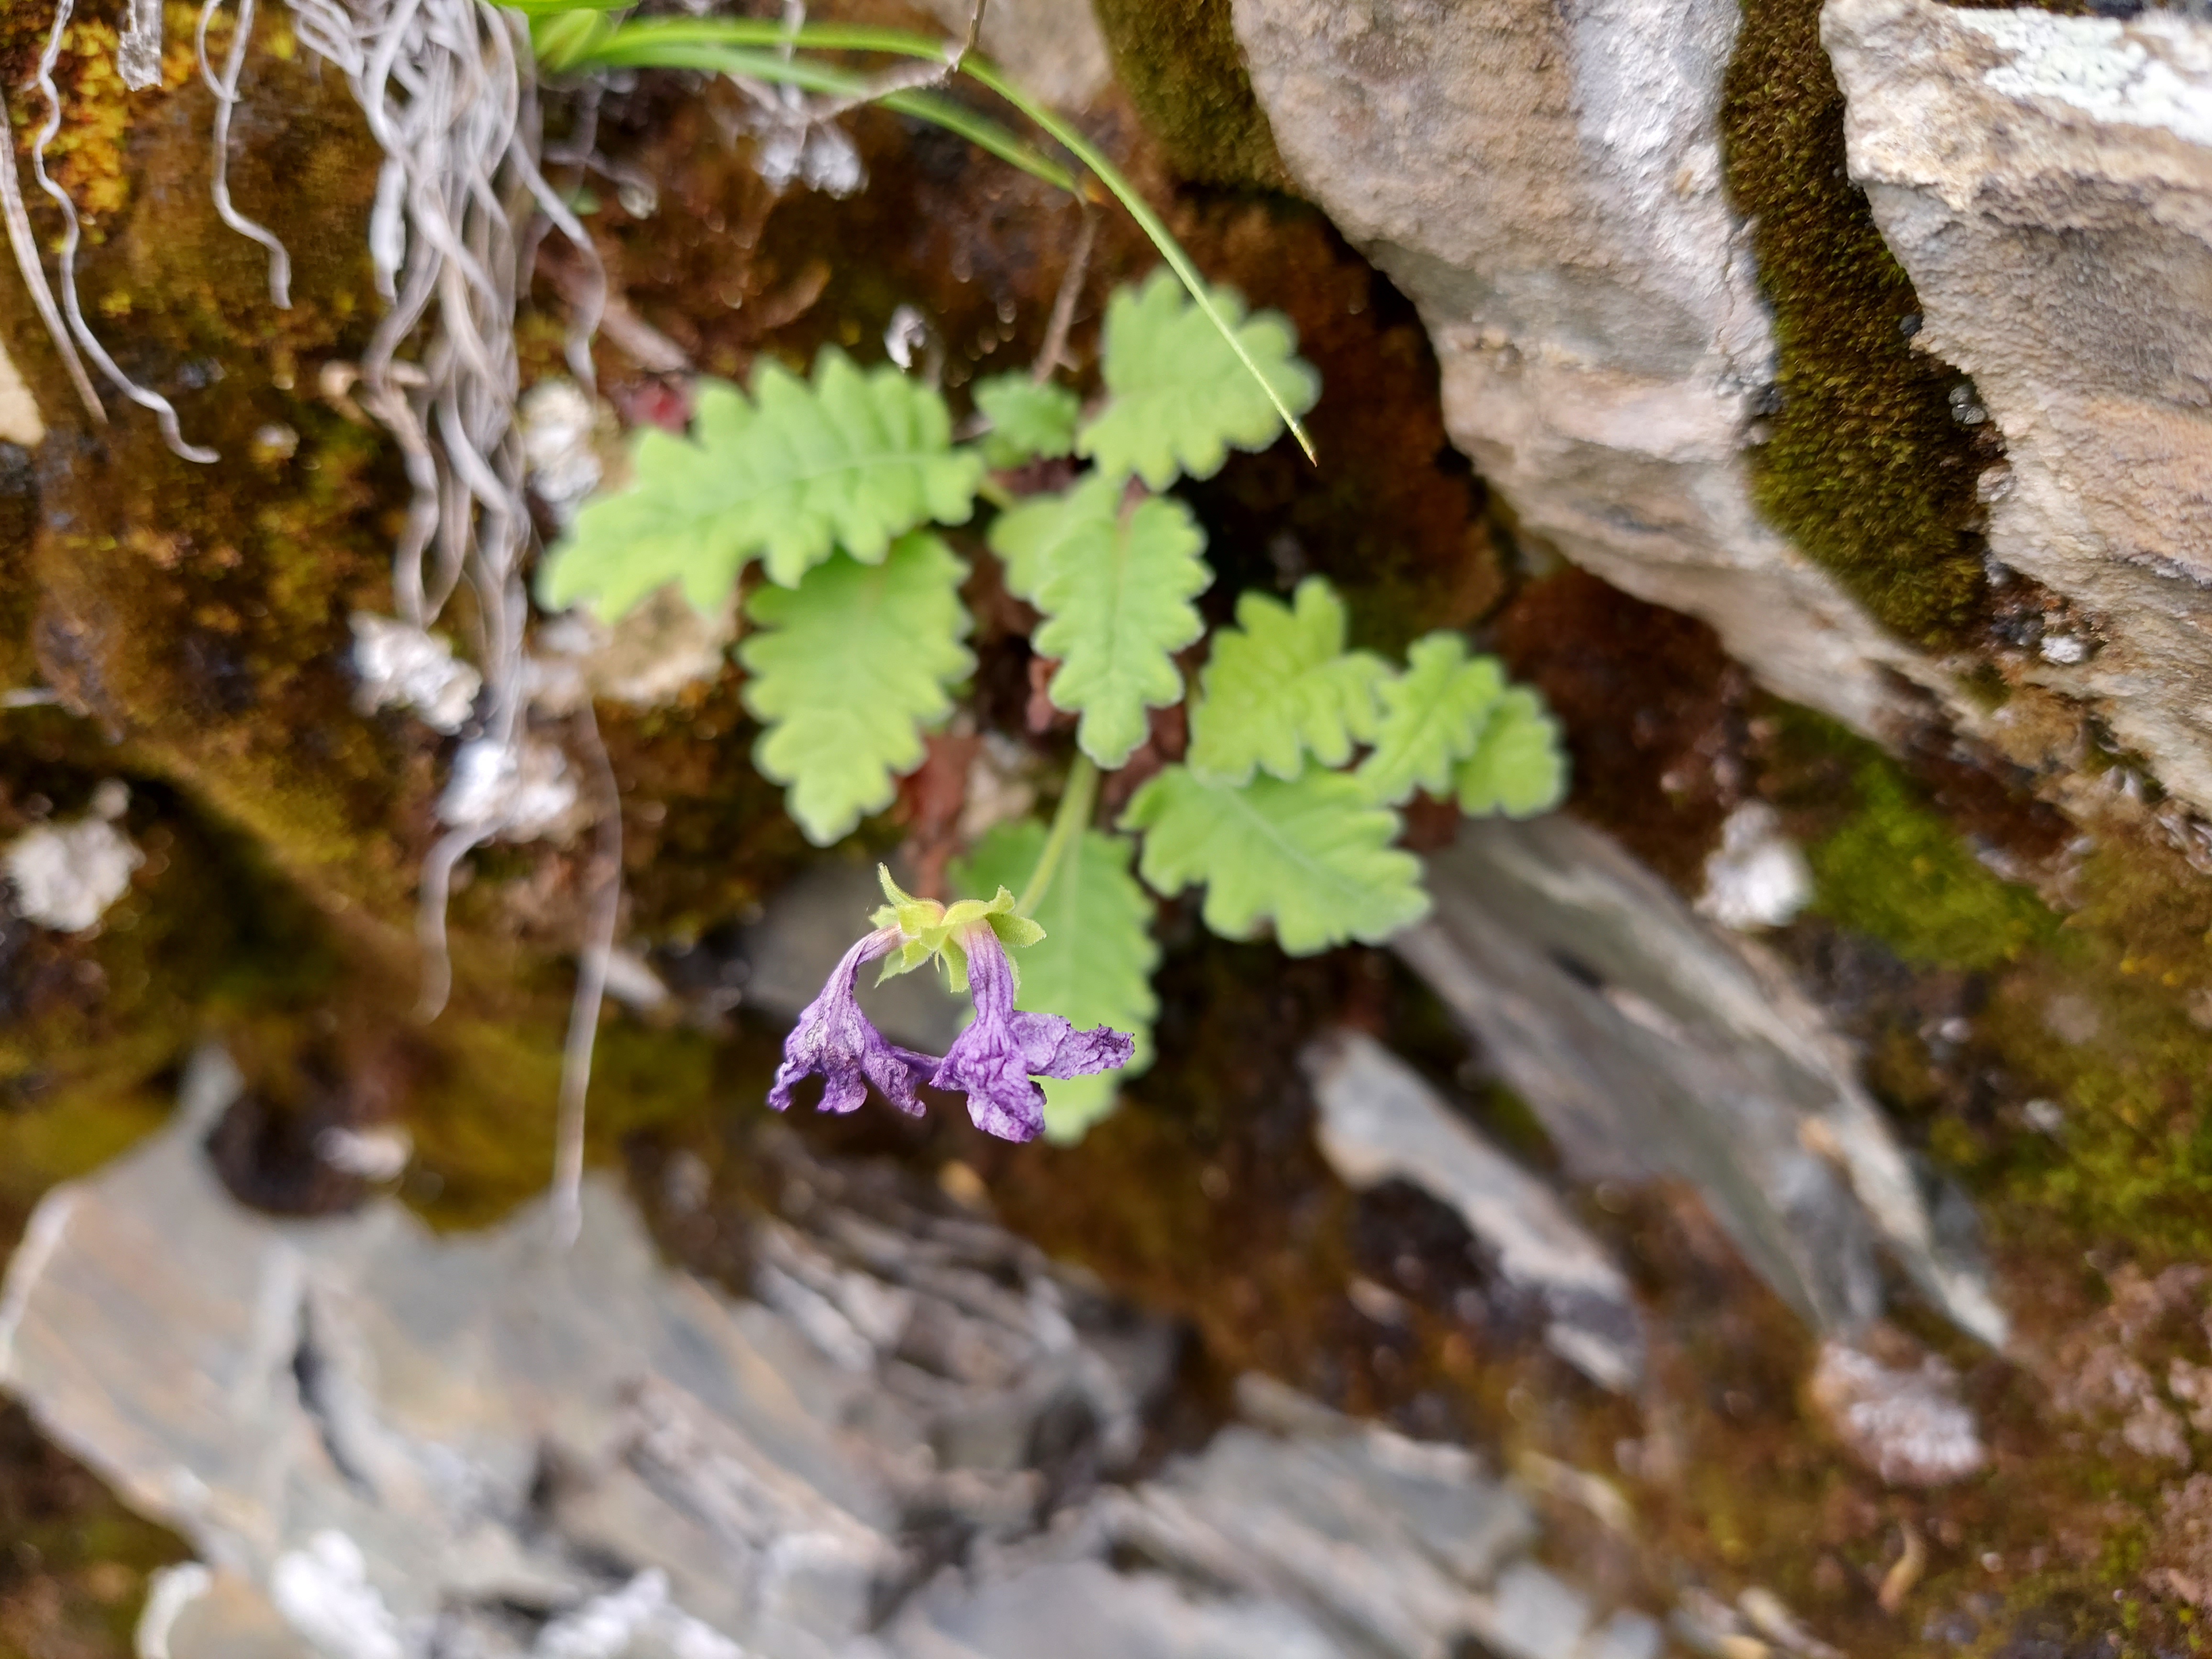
(65, 876)
(1756, 878)
(2155, 70)
(612, 1626)
(20, 421)
(378, 1153)
(559, 422)
(397, 665)
(524, 791)
(659, 648)
(323, 1593)
(1908, 1427)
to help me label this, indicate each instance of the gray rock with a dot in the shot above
(1539, 1615)
(1651, 1045)
(2046, 181)
(1300, 1532)
(1380, 1121)
(1083, 1609)
(398, 1438)
(385, 1444)
(1545, 182)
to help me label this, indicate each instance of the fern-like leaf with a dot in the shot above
(1518, 768)
(1115, 582)
(847, 669)
(1094, 965)
(1434, 716)
(1027, 419)
(1281, 685)
(1179, 398)
(1313, 855)
(850, 459)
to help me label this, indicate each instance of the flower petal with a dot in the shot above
(835, 1039)
(1052, 1047)
(995, 1060)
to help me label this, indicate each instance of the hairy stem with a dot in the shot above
(1068, 820)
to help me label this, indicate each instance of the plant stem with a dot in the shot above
(1072, 817)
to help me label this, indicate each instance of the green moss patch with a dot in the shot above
(2103, 1013)
(1178, 61)
(1866, 469)
(1897, 869)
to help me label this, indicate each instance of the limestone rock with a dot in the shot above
(2046, 182)
(1297, 1532)
(404, 1445)
(1545, 182)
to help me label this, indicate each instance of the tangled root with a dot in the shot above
(448, 90)
(224, 88)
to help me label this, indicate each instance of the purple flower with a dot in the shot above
(835, 1039)
(995, 1061)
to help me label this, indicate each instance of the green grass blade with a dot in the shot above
(1147, 221)
(619, 50)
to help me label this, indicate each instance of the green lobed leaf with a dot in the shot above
(1095, 963)
(1027, 419)
(846, 670)
(1518, 768)
(1179, 399)
(1434, 714)
(1115, 581)
(849, 459)
(1280, 684)
(1313, 855)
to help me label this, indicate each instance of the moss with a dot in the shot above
(2105, 1011)
(1899, 872)
(482, 1113)
(198, 613)
(1179, 61)
(1865, 467)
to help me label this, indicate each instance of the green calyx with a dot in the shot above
(931, 929)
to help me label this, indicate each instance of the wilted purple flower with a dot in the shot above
(995, 1061)
(835, 1039)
